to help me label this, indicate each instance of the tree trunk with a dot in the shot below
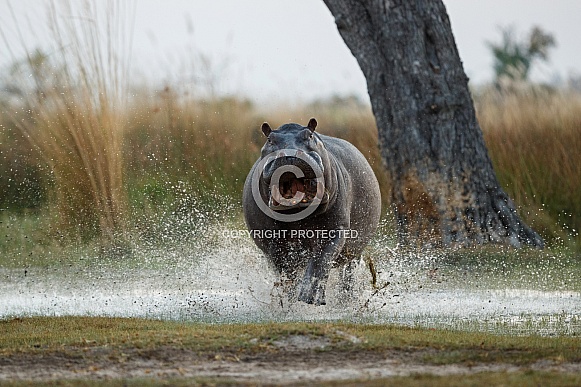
(444, 189)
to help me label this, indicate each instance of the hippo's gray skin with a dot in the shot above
(351, 201)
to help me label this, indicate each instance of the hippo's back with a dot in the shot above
(365, 196)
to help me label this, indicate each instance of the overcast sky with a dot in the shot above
(291, 50)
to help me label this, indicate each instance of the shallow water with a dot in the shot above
(230, 281)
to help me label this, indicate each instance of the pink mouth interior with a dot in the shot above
(289, 187)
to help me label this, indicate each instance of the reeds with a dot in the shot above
(208, 146)
(211, 143)
(533, 135)
(73, 113)
(99, 144)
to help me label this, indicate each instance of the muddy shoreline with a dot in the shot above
(296, 363)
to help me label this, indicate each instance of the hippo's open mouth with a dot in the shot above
(293, 192)
(294, 179)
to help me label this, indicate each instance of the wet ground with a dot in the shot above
(230, 281)
(294, 361)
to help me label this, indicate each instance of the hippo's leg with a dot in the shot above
(285, 259)
(312, 287)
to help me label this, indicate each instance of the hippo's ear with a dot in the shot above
(312, 124)
(266, 129)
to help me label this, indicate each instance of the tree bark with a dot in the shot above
(444, 190)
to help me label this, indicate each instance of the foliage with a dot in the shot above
(208, 146)
(513, 58)
(533, 135)
(24, 177)
(77, 147)
(68, 106)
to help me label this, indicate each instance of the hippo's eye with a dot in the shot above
(307, 134)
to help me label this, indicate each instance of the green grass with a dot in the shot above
(47, 335)
(505, 379)
(501, 268)
(168, 215)
(27, 239)
(106, 341)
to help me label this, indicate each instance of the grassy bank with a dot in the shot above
(49, 334)
(90, 345)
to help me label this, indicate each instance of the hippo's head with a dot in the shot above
(295, 168)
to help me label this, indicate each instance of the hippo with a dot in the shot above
(311, 202)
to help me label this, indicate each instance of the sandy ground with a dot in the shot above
(299, 359)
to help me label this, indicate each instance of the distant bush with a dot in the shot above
(76, 142)
(533, 136)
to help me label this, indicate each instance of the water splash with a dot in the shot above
(217, 279)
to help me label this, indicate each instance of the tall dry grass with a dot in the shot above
(71, 109)
(533, 135)
(175, 136)
(208, 147)
(213, 143)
